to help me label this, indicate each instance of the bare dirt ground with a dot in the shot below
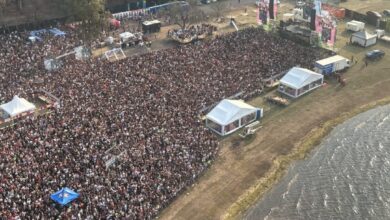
(363, 6)
(241, 164)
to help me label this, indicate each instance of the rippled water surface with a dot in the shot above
(346, 177)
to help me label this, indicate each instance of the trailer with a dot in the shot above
(385, 39)
(332, 64)
(379, 33)
(355, 26)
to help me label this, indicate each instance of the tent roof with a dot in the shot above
(228, 111)
(330, 60)
(356, 22)
(17, 106)
(300, 77)
(64, 196)
(126, 35)
(364, 35)
(57, 32)
(152, 22)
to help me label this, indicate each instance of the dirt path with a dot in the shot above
(237, 168)
(363, 6)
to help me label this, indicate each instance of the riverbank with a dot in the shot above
(239, 167)
(242, 165)
(282, 163)
(344, 177)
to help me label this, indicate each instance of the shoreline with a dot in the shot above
(282, 163)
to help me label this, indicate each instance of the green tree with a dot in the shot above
(90, 14)
(219, 8)
(185, 15)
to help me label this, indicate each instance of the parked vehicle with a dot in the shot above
(375, 54)
(386, 12)
(355, 26)
(373, 18)
(332, 64)
(379, 33)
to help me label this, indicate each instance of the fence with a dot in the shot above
(355, 15)
(382, 24)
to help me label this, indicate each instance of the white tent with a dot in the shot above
(363, 38)
(17, 106)
(125, 36)
(230, 115)
(299, 81)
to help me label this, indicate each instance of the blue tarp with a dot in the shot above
(325, 70)
(64, 196)
(57, 32)
(38, 32)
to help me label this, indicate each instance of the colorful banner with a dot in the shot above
(326, 27)
(317, 6)
(263, 11)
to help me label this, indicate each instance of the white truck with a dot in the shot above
(355, 26)
(381, 35)
(331, 64)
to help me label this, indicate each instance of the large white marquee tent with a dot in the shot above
(230, 115)
(17, 106)
(299, 81)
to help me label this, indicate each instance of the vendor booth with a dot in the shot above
(363, 38)
(17, 106)
(299, 81)
(230, 115)
(151, 26)
(125, 36)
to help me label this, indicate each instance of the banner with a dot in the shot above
(263, 12)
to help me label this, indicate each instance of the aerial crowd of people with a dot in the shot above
(192, 32)
(142, 111)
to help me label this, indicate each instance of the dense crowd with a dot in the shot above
(192, 31)
(144, 107)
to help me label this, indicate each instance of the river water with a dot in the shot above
(346, 177)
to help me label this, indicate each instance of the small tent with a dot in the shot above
(299, 81)
(363, 38)
(17, 106)
(230, 115)
(64, 196)
(125, 36)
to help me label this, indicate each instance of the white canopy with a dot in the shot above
(228, 111)
(297, 77)
(364, 35)
(17, 106)
(151, 22)
(126, 35)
